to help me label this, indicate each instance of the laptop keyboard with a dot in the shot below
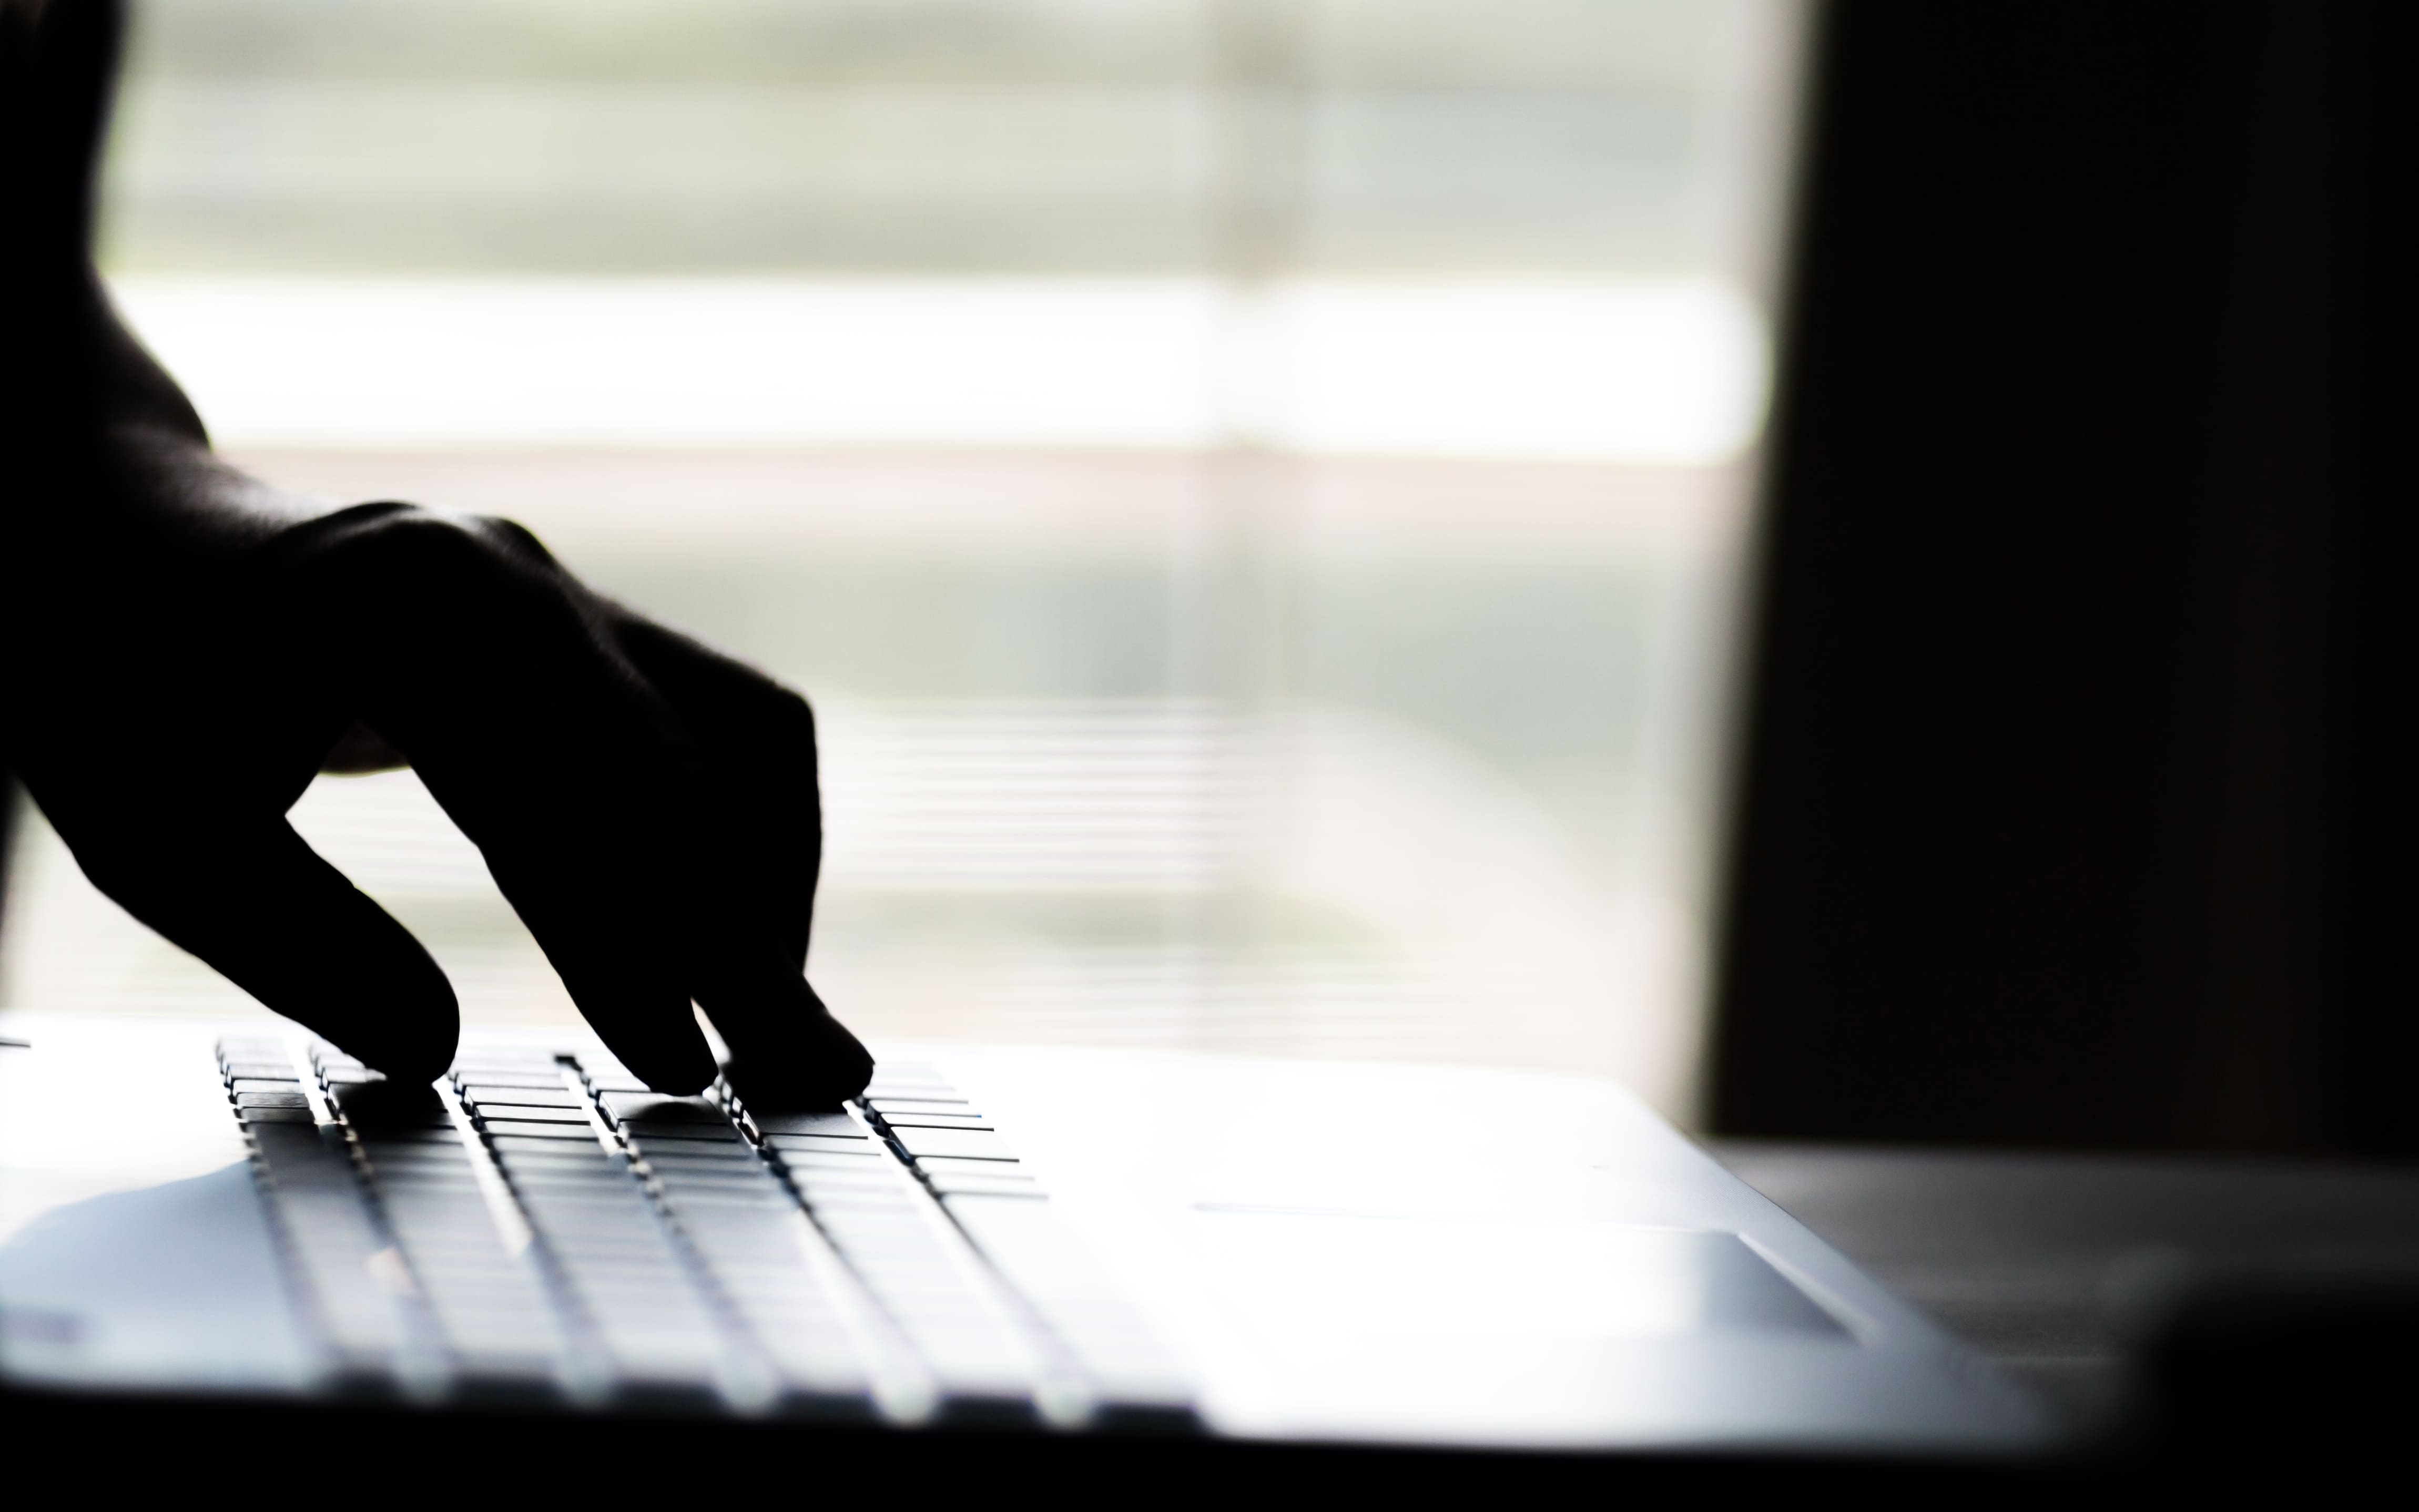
(542, 1227)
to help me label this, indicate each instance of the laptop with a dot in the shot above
(1042, 1241)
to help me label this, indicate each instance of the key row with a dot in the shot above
(998, 1205)
(336, 1254)
(546, 1227)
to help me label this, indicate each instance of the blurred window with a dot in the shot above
(1251, 485)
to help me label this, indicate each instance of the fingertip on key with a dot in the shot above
(677, 1066)
(808, 1061)
(410, 1059)
(407, 1026)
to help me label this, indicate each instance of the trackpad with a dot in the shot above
(1521, 1332)
(1330, 1272)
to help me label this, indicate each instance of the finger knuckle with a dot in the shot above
(398, 557)
(792, 711)
(510, 537)
(407, 537)
(790, 721)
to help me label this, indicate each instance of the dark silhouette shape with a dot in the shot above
(2076, 805)
(187, 647)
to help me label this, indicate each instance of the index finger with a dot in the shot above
(758, 738)
(546, 749)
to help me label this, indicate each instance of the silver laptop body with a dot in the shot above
(1071, 1240)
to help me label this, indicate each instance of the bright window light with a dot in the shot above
(1641, 370)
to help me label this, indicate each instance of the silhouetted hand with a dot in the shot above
(185, 649)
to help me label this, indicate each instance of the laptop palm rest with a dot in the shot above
(1494, 1329)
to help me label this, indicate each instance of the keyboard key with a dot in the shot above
(579, 1208)
(683, 1134)
(387, 1105)
(739, 1187)
(271, 1099)
(565, 1173)
(418, 1164)
(501, 1129)
(556, 1095)
(933, 1121)
(823, 1126)
(947, 1165)
(723, 1194)
(419, 1177)
(578, 1197)
(719, 1159)
(426, 1129)
(557, 1160)
(652, 1107)
(575, 1194)
(703, 1206)
(815, 1183)
(819, 1188)
(814, 1149)
(421, 1128)
(560, 1162)
(404, 1181)
(506, 1113)
(688, 1141)
(879, 1093)
(425, 1179)
(547, 1141)
(961, 1144)
(890, 1106)
(751, 1176)
(858, 1147)
(275, 1115)
(986, 1186)
(400, 1141)
(260, 1071)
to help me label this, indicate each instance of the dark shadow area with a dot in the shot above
(2074, 812)
(2075, 805)
(2236, 1327)
(2053, 1265)
(768, 1457)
